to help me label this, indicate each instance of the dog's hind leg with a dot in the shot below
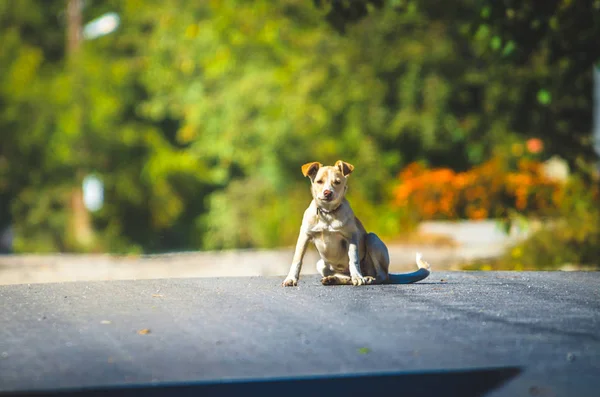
(330, 277)
(337, 279)
(378, 257)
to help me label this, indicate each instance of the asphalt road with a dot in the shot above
(539, 333)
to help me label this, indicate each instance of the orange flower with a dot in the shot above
(483, 191)
(460, 180)
(479, 213)
(402, 193)
(534, 145)
(411, 171)
(429, 209)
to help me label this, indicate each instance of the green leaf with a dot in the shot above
(482, 32)
(475, 153)
(544, 97)
(485, 12)
(509, 47)
(496, 42)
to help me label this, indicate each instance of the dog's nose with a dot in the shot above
(327, 193)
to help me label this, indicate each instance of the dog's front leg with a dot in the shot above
(355, 274)
(294, 274)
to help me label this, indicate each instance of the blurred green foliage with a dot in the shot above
(570, 239)
(573, 238)
(198, 115)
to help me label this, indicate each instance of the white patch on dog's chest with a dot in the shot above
(334, 226)
(332, 247)
(331, 240)
(329, 229)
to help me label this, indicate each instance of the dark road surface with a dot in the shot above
(543, 329)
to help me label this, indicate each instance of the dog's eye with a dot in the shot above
(320, 181)
(337, 182)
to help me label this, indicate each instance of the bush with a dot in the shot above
(563, 217)
(490, 190)
(571, 238)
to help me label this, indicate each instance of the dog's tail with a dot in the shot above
(408, 278)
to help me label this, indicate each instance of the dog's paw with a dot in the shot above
(370, 280)
(290, 282)
(358, 280)
(329, 280)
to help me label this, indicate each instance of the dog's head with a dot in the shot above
(328, 184)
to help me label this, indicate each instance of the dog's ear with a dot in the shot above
(345, 168)
(310, 169)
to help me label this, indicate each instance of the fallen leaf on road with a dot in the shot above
(105, 322)
(157, 295)
(364, 350)
(144, 331)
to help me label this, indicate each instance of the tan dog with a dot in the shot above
(349, 255)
